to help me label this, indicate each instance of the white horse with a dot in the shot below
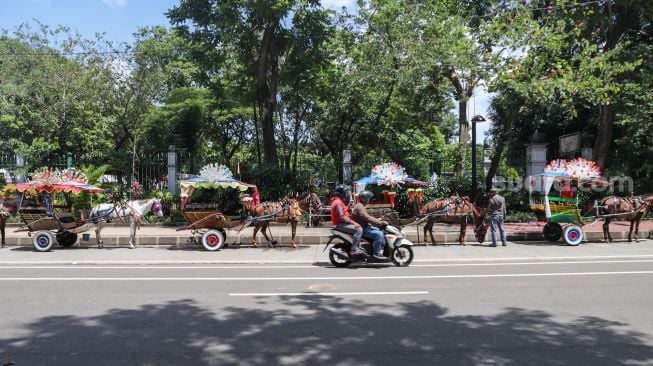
(130, 211)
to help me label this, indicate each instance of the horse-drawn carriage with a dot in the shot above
(555, 198)
(390, 176)
(207, 220)
(45, 207)
(556, 207)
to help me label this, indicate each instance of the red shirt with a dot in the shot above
(335, 219)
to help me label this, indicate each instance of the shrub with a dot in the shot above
(520, 217)
(274, 183)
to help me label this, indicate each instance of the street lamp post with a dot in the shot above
(172, 169)
(346, 165)
(475, 119)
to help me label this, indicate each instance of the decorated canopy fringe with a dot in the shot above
(390, 174)
(578, 168)
(53, 180)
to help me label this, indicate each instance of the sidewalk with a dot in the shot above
(156, 235)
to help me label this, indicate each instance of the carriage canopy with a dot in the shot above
(66, 187)
(53, 180)
(213, 176)
(390, 174)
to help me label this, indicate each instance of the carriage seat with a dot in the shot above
(40, 210)
(66, 219)
(202, 207)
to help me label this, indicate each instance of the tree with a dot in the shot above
(255, 31)
(462, 42)
(578, 65)
(51, 93)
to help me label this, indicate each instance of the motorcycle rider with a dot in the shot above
(370, 224)
(341, 219)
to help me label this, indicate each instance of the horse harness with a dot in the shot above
(449, 205)
(637, 202)
(458, 203)
(268, 207)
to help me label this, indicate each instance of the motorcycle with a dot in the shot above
(396, 247)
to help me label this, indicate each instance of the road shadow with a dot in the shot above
(316, 330)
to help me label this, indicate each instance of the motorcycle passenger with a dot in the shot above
(370, 224)
(341, 220)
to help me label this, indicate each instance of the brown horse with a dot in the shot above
(313, 204)
(7, 208)
(613, 208)
(286, 211)
(454, 210)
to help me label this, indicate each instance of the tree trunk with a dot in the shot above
(604, 134)
(502, 139)
(627, 18)
(256, 132)
(295, 140)
(266, 90)
(463, 93)
(463, 137)
(285, 153)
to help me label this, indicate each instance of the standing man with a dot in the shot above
(496, 208)
(341, 220)
(370, 224)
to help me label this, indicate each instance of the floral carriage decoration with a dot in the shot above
(579, 168)
(392, 175)
(214, 176)
(389, 174)
(53, 180)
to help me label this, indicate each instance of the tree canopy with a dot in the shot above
(288, 85)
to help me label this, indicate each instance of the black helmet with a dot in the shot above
(343, 192)
(366, 196)
(340, 190)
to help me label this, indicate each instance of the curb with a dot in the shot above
(448, 238)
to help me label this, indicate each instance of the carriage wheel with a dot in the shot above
(224, 234)
(66, 238)
(43, 241)
(552, 231)
(212, 240)
(573, 235)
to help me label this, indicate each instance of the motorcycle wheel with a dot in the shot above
(337, 261)
(402, 256)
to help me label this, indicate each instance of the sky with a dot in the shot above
(119, 19)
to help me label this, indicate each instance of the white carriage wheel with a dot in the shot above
(212, 240)
(43, 241)
(573, 235)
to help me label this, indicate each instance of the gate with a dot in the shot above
(152, 171)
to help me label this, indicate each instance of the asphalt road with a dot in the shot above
(500, 312)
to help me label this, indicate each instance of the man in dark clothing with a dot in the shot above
(370, 224)
(496, 208)
(341, 220)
